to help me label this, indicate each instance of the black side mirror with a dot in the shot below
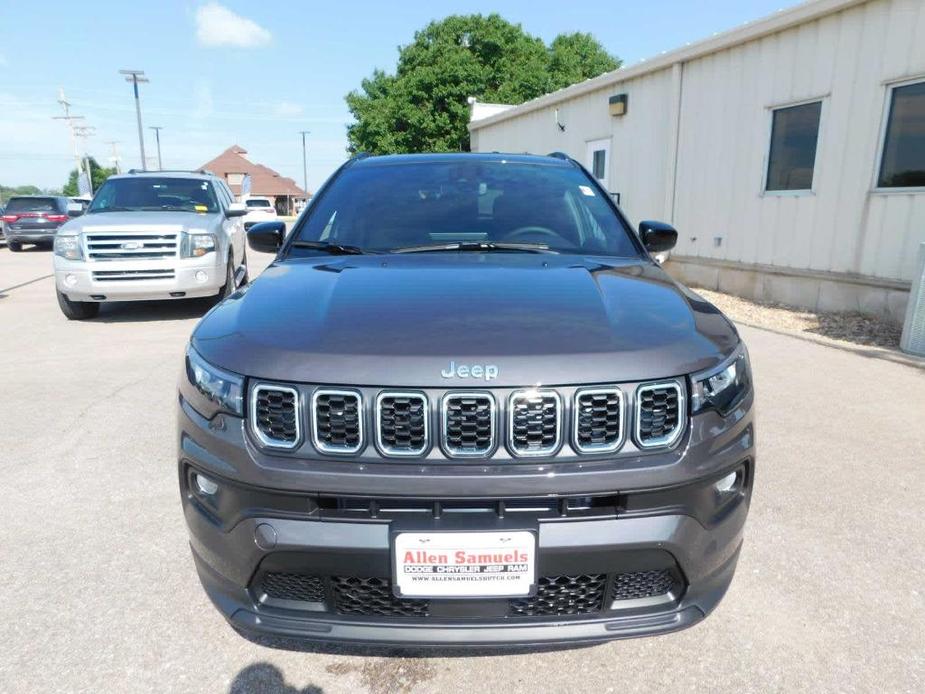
(657, 236)
(266, 237)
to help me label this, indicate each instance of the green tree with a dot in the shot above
(423, 106)
(98, 175)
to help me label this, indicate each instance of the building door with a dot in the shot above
(598, 161)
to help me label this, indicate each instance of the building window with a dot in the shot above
(903, 162)
(792, 157)
(235, 179)
(599, 164)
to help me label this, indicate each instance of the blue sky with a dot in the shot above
(255, 74)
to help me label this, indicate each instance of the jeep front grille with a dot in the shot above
(659, 414)
(636, 585)
(598, 418)
(535, 418)
(468, 424)
(402, 423)
(276, 416)
(337, 421)
(122, 246)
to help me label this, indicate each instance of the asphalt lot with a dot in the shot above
(98, 590)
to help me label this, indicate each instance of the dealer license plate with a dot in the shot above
(481, 564)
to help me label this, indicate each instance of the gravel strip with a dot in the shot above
(850, 327)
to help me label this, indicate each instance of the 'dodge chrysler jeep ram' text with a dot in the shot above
(464, 407)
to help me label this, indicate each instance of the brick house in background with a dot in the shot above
(233, 166)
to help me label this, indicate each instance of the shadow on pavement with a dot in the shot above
(266, 678)
(151, 311)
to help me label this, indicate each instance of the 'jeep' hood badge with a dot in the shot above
(487, 371)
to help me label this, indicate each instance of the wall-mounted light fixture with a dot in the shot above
(559, 123)
(618, 105)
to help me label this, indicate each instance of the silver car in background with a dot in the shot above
(151, 235)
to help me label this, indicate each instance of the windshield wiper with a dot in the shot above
(483, 246)
(332, 248)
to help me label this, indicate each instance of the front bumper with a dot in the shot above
(248, 532)
(30, 235)
(156, 280)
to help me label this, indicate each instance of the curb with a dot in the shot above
(882, 353)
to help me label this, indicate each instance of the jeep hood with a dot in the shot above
(400, 321)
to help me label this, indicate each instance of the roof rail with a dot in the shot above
(156, 171)
(560, 155)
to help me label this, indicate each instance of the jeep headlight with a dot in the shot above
(69, 247)
(722, 387)
(197, 245)
(224, 390)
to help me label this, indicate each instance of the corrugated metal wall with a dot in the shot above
(848, 59)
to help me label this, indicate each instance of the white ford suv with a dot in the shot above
(259, 209)
(151, 235)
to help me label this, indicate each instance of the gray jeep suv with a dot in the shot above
(465, 407)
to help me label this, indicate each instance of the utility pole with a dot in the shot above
(304, 160)
(136, 76)
(115, 158)
(157, 134)
(70, 119)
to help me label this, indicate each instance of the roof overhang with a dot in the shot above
(772, 24)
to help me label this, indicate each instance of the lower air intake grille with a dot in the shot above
(534, 425)
(283, 586)
(402, 423)
(659, 413)
(562, 595)
(598, 420)
(275, 414)
(337, 423)
(468, 424)
(373, 597)
(642, 584)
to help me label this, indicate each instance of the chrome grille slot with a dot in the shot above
(128, 275)
(535, 418)
(402, 423)
(468, 424)
(123, 246)
(275, 415)
(598, 417)
(337, 421)
(659, 414)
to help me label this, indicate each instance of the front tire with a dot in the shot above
(14, 246)
(229, 286)
(77, 310)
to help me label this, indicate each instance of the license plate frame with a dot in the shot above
(521, 581)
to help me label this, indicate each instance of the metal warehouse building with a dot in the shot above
(789, 152)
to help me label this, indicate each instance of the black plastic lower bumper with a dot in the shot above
(240, 565)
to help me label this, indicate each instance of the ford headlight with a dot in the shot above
(69, 247)
(722, 387)
(197, 245)
(224, 390)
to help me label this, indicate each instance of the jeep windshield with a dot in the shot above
(464, 206)
(154, 193)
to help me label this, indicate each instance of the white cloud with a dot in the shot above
(216, 25)
(287, 109)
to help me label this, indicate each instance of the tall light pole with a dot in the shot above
(136, 76)
(157, 134)
(305, 160)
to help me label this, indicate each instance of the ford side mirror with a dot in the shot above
(74, 209)
(236, 209)
(657, 237)
(266, 237)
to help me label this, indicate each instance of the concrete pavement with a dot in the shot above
(98, 591)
